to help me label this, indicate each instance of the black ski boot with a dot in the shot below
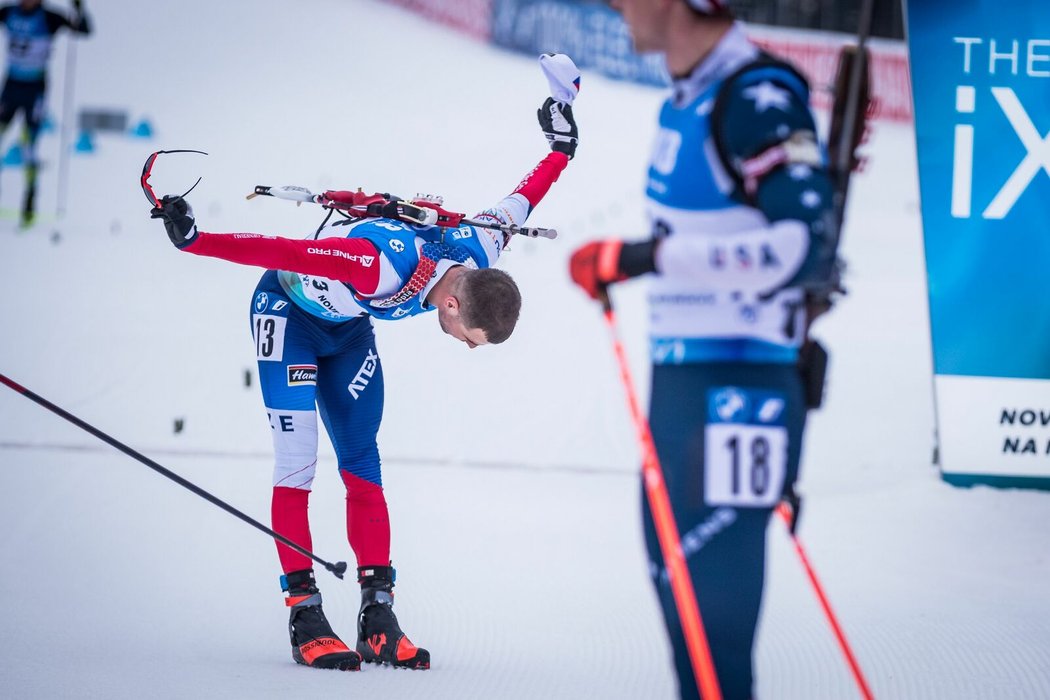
(313, 641)
(379, 637)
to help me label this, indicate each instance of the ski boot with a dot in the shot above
(379, 637)
(313, 641)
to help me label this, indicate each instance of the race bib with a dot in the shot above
(269, 337)
(745, 448)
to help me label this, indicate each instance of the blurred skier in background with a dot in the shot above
(31, 29)
(311, 318)
(743, 239)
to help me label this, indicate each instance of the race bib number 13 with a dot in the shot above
(269, 337)
(745, 448)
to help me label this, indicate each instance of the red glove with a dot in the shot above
(596, 265)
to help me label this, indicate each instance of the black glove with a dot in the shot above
(558, 126)
(177, 216)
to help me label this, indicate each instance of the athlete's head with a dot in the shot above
(674, 27)
(482, 307)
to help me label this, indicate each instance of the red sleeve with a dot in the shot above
(352, 260)
(535, 185)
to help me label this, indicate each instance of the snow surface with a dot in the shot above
(510, 470)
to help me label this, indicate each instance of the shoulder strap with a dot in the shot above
(430, 255)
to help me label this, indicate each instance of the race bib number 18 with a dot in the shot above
(745, 448)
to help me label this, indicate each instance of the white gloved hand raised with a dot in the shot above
(562, 75)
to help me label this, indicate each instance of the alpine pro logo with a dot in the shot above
(301, 375)
(365, 260)
(361, 379)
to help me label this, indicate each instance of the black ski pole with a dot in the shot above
(339, 568)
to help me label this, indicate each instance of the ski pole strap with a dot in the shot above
(147, 170)
(291, 192)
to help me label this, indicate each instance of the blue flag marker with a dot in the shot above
(85, 143)
(142, 130)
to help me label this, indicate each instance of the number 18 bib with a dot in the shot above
(745, 447)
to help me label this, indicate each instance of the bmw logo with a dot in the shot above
(261, 302)
(730, 404)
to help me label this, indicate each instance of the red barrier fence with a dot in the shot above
(817, 59)
(471, 16)
(814, 53)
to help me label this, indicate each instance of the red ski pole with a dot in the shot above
(785, 513)
(666, 529)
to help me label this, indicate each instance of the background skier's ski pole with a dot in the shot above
(784, 511)
(667, 529)
(67, 125)
(339, 568)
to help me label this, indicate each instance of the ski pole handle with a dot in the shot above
(290, 192)
(533, 232)
(512, 229)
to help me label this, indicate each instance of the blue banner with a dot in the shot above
(589, 31)
(981, 75)
(981, 80)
